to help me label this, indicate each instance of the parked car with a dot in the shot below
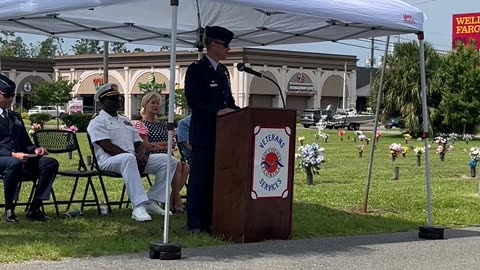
(393, 122)
(310, 117)
(51, 110)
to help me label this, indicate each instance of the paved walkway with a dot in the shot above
(386, 251)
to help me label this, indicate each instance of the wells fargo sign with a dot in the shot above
(466, 28)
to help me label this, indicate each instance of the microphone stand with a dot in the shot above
(279, 89)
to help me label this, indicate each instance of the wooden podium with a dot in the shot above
(254, 169)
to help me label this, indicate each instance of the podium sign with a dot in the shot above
(253, 181)
(270, 169)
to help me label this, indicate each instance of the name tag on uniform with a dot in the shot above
(127, 123)
(214, 85)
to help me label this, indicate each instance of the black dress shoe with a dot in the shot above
(37, 215)
(10, 216)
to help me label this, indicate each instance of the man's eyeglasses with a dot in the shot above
(225, 45)
(5, 95)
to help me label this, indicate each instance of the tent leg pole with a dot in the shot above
(377, 113)
(428, 231)
(425, 128)
(166, 250)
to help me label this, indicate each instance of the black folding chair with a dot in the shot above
(64, 141)
(94, 166)
(28, 178)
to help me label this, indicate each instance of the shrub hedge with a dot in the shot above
(40, 118)
(79, 120)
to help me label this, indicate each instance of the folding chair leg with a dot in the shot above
(122, 197)
(84, 196)
(30, 198)
(19, 188)
(72, 195)
(54, 199)
(104, 190)
(94, 195)
(149, 181)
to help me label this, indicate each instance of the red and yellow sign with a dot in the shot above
(466, 28)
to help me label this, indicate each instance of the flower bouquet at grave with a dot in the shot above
(320, 134)
(407, 137)
(441, 148)
(301, 140)
(363, 138)
(474, 158)
(405, 150)
(34, 128)
(395, 150)
(418, 153)
(440, 140)
(356, 134)
(467, 137)
(452, 137)
(378, 135)
(341, 134)
(309, 158)
(360, 148)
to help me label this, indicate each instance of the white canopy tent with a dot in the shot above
(254, 22)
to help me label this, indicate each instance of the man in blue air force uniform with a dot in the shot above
(19, 157)
(208, 93)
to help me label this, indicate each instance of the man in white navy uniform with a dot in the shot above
(118, 148)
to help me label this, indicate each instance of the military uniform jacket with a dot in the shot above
(207, 91)
(13, 136)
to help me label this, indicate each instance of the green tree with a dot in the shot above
(86, 46)
(56, 93)
(458, 80)
(138, 50)
(118, 47)
(402, 90)
(14, 47)
(181, 100)
(47, 48)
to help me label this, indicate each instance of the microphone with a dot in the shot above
(242, 67)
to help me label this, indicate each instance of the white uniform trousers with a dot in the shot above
(126, 165)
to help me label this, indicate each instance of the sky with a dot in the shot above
(438, 28)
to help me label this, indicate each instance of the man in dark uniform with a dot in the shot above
(19, 157)
(208, 93)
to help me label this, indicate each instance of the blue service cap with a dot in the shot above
(219, 33)
(7, 86)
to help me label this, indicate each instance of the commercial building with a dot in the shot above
(308, 80)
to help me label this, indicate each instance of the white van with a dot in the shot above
(52, 110)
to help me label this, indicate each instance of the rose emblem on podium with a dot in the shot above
(271, 162)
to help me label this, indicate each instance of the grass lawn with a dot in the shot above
(331, 207)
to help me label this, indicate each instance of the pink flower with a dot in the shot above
(36, 126)
(378, 135)
(71, 128)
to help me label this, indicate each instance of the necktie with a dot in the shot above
(5, 116)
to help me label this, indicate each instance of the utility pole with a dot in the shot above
(372, 55)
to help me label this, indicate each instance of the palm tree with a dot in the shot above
(402, 91)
